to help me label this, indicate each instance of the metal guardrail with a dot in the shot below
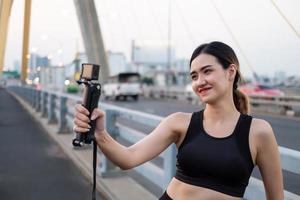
(59, 108)
(286, 105)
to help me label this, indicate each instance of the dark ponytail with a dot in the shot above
(241, 101)
(226, 56)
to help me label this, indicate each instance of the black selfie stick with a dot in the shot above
(92, 91)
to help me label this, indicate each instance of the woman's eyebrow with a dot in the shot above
(201, 69)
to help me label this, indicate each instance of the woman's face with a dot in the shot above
(209, 79)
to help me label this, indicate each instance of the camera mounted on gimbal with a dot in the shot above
(92, 91)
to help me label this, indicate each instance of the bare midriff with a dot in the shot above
(179, 190)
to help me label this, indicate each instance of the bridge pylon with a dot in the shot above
(5, 10)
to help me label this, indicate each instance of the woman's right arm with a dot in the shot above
(167, 132)
(268, 160)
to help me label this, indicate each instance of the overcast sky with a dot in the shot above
(264, 37)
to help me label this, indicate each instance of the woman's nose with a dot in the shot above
(201, 82)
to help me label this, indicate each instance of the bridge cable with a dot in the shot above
(285, 19)
(137, 23)
(110, 31)
(234, 38)
(155, 19)
(123, 30)
(184, 22)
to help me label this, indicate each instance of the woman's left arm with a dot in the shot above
(268, 161)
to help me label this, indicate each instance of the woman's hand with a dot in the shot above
(81, 120)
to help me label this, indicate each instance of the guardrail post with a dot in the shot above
(32, 93)
(62, 122)
(51, 109)
(38, 101)
(169, 164)
(21, 93)
(44, 104)
(25, 94)
(106, 167)
(34, 98)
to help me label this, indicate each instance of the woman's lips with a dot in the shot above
(203, 90)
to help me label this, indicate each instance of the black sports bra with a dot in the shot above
(221, 164)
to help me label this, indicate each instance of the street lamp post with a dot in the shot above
(169, 54)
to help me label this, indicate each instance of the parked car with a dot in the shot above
(123, 85)
(189, 93)
(259, 89)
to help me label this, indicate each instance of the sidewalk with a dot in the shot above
(119, 187)
(33, 166)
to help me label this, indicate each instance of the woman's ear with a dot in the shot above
(232, 70)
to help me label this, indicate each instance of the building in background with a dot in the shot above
(182, 71)
(151, 56)
(117, 63)
(51, 78)
(279, 78)
(153, 61)
(35, 63)
(37, 60)
(116, 60)
(72, 69)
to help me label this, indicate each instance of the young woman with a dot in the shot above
(218, 147)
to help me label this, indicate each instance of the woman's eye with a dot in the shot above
(194, 77)
(207, 71)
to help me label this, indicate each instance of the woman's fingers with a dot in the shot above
(97, 113)
(81, 113)
(82, 117)
(78, 129)
(81, 124)
(81, 109)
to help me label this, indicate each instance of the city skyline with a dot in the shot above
(266, 40)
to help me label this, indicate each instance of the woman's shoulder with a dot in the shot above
(179, 120)
(179, 117)
(261, 129)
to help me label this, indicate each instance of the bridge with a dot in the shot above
(39, 161)
(54, 112)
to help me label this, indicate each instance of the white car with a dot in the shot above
(190, 94)
(123, 85)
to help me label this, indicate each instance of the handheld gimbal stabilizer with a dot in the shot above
(92, 91)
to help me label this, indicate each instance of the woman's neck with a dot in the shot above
(221, 110)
